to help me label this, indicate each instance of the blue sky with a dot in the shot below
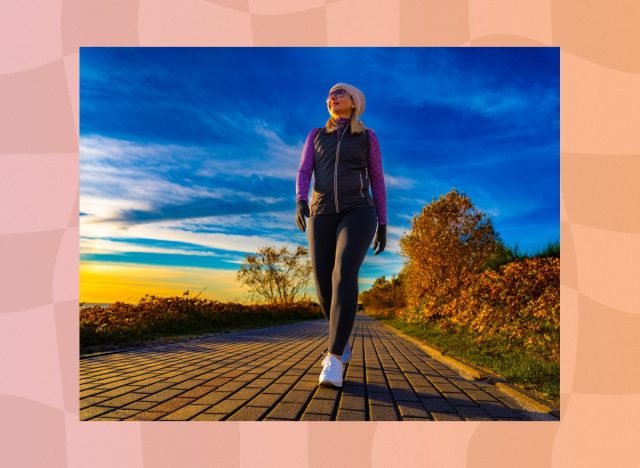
(188, 156)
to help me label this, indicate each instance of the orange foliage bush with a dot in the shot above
(521, 302)
(455, 277)
(121, 321)
(384, 295)
(448, 241)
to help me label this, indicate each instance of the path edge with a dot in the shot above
(537, 408)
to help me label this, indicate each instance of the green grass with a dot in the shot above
(517, 366)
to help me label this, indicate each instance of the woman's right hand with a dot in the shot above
(302, 210)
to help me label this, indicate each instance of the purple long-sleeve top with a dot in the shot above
(376, 174)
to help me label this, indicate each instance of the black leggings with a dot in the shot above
(338, 244)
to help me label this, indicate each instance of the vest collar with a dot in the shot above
(342, 121)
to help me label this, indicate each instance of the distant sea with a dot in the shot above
(92, 304)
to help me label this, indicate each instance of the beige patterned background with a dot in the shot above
(599, 213)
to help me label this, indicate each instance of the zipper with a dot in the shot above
(361, 185)
(335, 178)
(335, 170)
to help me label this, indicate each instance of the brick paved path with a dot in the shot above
(272, 374)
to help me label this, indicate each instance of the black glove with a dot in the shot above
(380, 241)
(302, 210)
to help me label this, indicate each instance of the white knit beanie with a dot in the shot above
(356, 95)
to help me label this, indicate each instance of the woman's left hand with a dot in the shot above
(380, 241)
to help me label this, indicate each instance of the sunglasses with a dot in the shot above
(337, 93)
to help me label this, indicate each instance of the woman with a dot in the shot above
(343, 157)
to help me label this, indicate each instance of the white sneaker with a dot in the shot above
(346, 354)
(331, 374)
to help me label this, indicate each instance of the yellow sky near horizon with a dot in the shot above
(111, 282)
(104, 282)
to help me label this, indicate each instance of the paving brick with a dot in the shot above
(277, 388)
(122, 400)
(305, 385)
(153, 388)
(90, 401)
(446, 387)
(321, 406)
(140, 405)
(479, 395)
(212, 398)
(286, 411)
(272, 374)
(209, 417)
(437, 405)
(248, 413)
(231, 386)
(411, 408)
(459, 399)
(328, 393)
(90, 392)
(120, 390)
(245, 393)
(445, 416)
(161, 396)
(197, 392)
(226, 406)
(245, 378)
(287, 379)
(473, 413)
(355, 389)
(260, 382)
(464, 384)
(350, 415)
(121, 414)
(348, 402)
(189, 384)
(173, 404)
(315, 417)
(106, 385)
(265, 399)
(217, 381)
(297, 396)
(377, 388)
(93, 411)
(382, 413)
(427, 391)
(404, 395)
(147, 416)
(380, 398)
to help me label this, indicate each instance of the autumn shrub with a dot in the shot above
(385, 296)
(459, 274)
(181, 314)
(448, 242)
(520, 302)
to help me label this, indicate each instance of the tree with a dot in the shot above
(384, 295)
(278, 276)
(450, 240)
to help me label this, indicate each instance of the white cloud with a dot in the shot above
(398, 181)
(103, 246)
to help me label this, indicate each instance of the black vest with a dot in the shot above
(340, 171)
